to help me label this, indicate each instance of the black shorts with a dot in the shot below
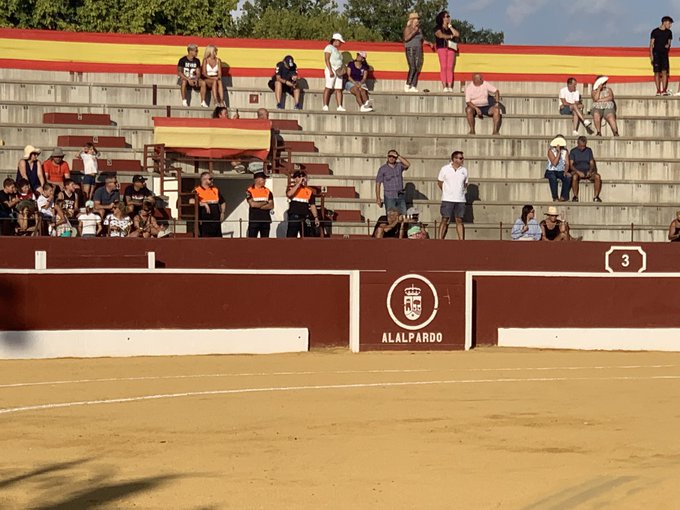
(286, 89)
(660, 61)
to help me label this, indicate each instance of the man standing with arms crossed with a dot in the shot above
(453, 181)
(659, 48)
(390, 175)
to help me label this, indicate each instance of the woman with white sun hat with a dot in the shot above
(604, 106)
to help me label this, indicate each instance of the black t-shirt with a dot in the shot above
(69, 207)
(286, 73)
(388, 234)
(661, 39)
(137, 196)
(190, 68)
(6, 197)
(255, 213)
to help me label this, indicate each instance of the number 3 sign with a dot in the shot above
(625, 259)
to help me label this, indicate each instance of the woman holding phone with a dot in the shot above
(446, 43)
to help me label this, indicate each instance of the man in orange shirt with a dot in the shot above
(261, 202)
(56, 169)
(211, 207)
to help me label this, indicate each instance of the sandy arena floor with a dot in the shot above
(326, 430)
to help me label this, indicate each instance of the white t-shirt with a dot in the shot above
(118, 227)
(89, 221)
(455, 182)
(89, 163)
(570, 97)
(42, 202)
(336, 56)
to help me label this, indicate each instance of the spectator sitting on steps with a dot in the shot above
(357, 74)
(211, 71)
(571, 104)
(391, 226)
(8, 203)
(584, 167)
(56, 169)
(30, 168)
(285, 81)
(526, 228)
(89, 222)
(482, 99)
(553, 228)
(118, 222)
(189, 75)
(557, 168)
(107, 197)
(674, 229)
(70, 201)
(146, 225)
(604, 106)
(135, 195)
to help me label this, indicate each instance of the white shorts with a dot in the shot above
(333, 82)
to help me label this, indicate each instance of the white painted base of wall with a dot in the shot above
(592, 339)
(151, 342)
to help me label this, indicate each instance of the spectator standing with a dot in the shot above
(261, 202)
(211, 207)
(445, 36)
(89, 222)
(583, 166)
(478, 100)
(70, 199)
(571, 104)
(211, 70)
(413, 45)
(557, 169)
(526, 228)
(357, 74)
(118, 223)
(89, 156)
(390, 226)
(334, 72)
(302, 204)
(553, 228)
(8, 203)
(56, 169)
(604, 106)
(659, 48)
(390, 176)
(453, 181)
(30, 168)
(135, 195)
(285, 81)
(189, 75)
(107, 197)
(674, 229)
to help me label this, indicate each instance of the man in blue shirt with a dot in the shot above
(391, 178)
(584, 167)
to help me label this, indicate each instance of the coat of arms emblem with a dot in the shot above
(413, 303)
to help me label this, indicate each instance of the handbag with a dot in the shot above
(452, 45)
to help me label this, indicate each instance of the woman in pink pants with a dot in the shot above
(445, 37)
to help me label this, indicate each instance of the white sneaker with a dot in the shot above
(204, 104)
(184, 103)
(587, 123)
(365, 109)
(413, 89)
(407, 88)
(341, 108)
(575, 133)
(325, 108)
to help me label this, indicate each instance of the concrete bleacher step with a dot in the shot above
(346, 215)
(312, 168)
(286, 124)
(300, 146)
(340, 191)
(111, 165)
(98, 141)
(80, 119)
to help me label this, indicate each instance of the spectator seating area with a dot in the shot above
(342, 151)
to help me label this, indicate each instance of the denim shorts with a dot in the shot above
(452, 210)
(89, 179)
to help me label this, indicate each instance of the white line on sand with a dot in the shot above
(61, 405)
(336, 372)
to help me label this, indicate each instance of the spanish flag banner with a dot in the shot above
(214, 138)
(153, 54)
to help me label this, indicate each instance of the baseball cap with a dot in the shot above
(89, 203)
(139, 178)
(259, 175)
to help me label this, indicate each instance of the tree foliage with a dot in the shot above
(362, 20)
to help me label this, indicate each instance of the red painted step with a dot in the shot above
(286, 125)
(314, 168)
(79, 119)
(110, 165)
(99, 141)
(347, 216)
(300, 146)
(338, 191)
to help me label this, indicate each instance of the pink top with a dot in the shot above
(479, 96)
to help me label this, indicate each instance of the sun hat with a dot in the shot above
(337, 37)
(414, 15)
(552, 211)
(600, 81)
(558, 141)
(361, 54)
(58, 152)
(29, 149)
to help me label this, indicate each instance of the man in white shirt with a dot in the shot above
(570, 104)
(453, 181)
